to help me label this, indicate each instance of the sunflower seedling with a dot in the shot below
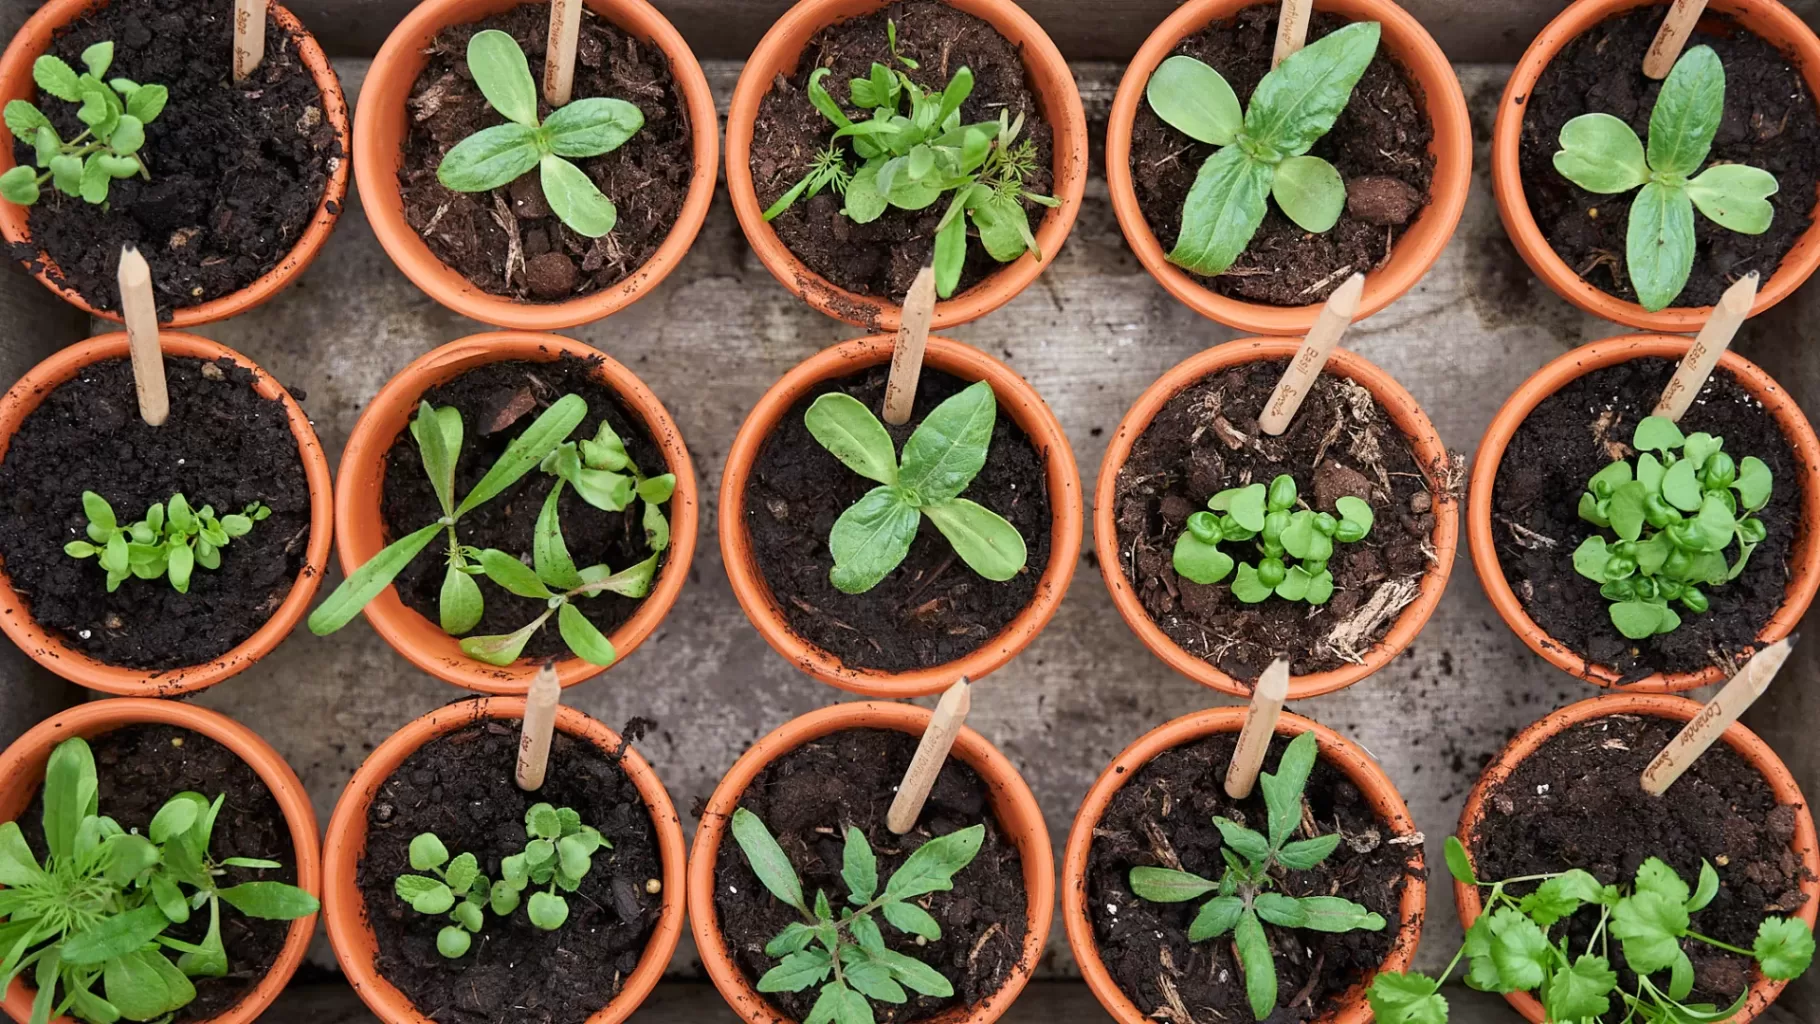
(116, 112)
(1269, 515)
(171, 540)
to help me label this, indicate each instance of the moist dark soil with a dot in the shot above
(224, 445)
(138, 768)
(1163, 817)
(1206, 440)
(1575, 803)
(882, 258)
(1770, 122)
(1537, 526)
(1380, 145)
(523, 390)
(237, 168)
(507, 242)
(809, 798)
(461, 787)
(932, 609)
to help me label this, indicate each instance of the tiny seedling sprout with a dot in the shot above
(171, 540)
(1269, 514)
(115, 111)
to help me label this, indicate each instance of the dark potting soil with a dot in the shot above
(932, 609)
(523, 390)
(138, 768)
(237, 168)
(461, 787)
(1537, 526)
(1770, 122)
(1163, 817)
(1205, 440)
(808, 798)
(882, 258)
(508, 242)
(1380, 145)
(224, 445)
(1575, 803)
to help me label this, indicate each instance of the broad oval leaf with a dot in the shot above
(1310, 192)
(870, 539)
(948, 448)
(1222, 212)
(504, 76)
(843, 425)
(864, 202)
(1601, 154)
(114, 936)
(590, 127)
(1659, 244)
(989, 544)
(1687, 113)
(547, 911)
(1195, 100)
(489, 158)
(24, 120)
(460, 605)
(70, 794)
(767, 858)
(1735, 197)
(145, 985)
(57, 78)
(1215, 918)
(584, 638)
(933, 866)
(1199, 561)
(575, 199)
(1299, 101)
(173, 819)
(1003, 224)
(1165, 885)
(20, 186)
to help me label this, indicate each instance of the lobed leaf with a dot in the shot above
(1735, 197)
(934, 864)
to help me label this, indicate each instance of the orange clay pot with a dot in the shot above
(1403, 411)
(1057, 99)
(1774, 22)
(1763, 991)
(16, 84)
(1016, 398)
(47, 648)
(1013, 807)
(1337, 750)
(1419, 57)
(380, 129)
(22, 772)
(344, 909)
(362, 531)
(1804, 566)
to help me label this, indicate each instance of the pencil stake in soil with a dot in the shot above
(1725, 708)
(1329, 327)
(539, 727)
(559, 58)
(249, 37)
(1292, 29)
(931, 754)
(907, 352)
(1260, 725)
(140, 311)
(1714, 338)
(1671, 37)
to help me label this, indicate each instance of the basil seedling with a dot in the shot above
(503, 153)
(850, 945)
(1264, 150)
(1269, 514)
(116, 113)
(1601, 154)
(942, 456)
(172, 539)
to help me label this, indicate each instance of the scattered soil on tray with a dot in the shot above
(224, 445)
(461, 787)
(1575, 803)
(1163, 817)
(1380, 145)
(138, 768)
(237, 168)
(1205, 440)
(520, 392)
(882, 258)
(932, 609)
(1770, 122)
(507, 242)
(809, 798)
(1537, 526)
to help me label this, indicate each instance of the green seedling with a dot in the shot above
(1263, 150)
(845, 953)
(1247, 895)
(1600, 153)
(171, 540)
(942, 456)
(116, 112)
(1509, 949)
(1268, 514)
(95, 911)
(500, 155)
(1674, 513)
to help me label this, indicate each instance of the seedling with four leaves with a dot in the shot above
(116, 112)
(171, 540)
(1269, 514)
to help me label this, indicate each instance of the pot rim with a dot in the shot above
(1804, 577)
(1430, 452)
(777, 53)
(1061, 475)
(362, 531)
(378, 156)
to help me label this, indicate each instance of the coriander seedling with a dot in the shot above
(116, 113)
(1601, 154)
(1269, 514)
(171, 540)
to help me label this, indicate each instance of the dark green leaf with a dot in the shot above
(1165, 885)
(1260, 970)
(1300, 856)
(870, 539)
(489, 158)
(1298, 102)
(590, 127)
(767, 858)
(1278, 909)
(1222, 212)
(859, 868)
(1335, 914)
(1687, 113)
(949, 447)
(1246, 843)
(1283, 790)
(69, 795)
(114, 936)
(912, 920)
(874, 981)
(916, 975)
(933, 866)
(143, 985)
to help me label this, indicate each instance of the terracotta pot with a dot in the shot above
(1057, 99)
(1418, 55)
(1402, 410)
(1013, 806)
(1337, 750)
(1774, 22)
(16, 84)
(344, 909)
(1804, 566)
(1763, 991)
(22, 773)
(47, 648)
(1015, 397)
(379, 137)
(361, 530)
